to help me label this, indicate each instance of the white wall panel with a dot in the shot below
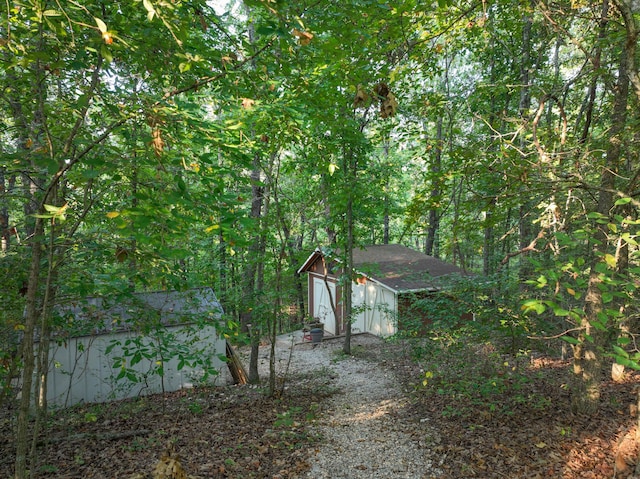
(81, 371)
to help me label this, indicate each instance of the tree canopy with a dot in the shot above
(162, 145)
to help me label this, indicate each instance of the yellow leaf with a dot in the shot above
(610, 260)
(541, 445)
(247, 103)
(211, 228)
(113, 214)
(101, 25)
(571, 291)
(156, 141)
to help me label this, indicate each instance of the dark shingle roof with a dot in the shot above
(401, 268)
(97, 315)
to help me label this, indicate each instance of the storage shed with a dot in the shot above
(137, 344)
(386, 277)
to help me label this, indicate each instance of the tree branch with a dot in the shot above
(530, 247)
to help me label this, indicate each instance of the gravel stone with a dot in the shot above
(365, 434)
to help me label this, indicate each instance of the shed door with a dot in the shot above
(358, 301)
(322, 303)
(375, 308)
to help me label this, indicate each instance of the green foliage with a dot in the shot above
(157, 348)
(475, 376)
(483, 308)
(563, 279)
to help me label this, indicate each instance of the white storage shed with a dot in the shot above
(138, 344)
(386, 278)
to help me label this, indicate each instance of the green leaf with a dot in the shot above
(621, 352)
(627, 238)
(533, 305)
(52, 208)
(623, 340)
(106, 54)
(623, 201)
(570, 339)
(181, 184)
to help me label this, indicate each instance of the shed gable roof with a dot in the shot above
(98, 315)
(395, 266)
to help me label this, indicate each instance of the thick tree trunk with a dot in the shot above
(587, 358)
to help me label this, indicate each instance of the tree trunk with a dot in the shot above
(525, 229)
(351, 168)
(332, 236)
(587, 358)
(387, 199)
(5, 233)
(436, 190)
(488, 245)
(28, 357)
(251, 275)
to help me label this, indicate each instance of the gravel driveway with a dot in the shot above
(366, 434)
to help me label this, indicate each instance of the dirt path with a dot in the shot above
(366, 434)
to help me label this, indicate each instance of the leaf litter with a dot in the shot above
(240, 432)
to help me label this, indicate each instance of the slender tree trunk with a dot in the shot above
(488, 245)
(28, 357)
(351, 168)
(5, 233)
(387, 199)
(251, 274)
(436, 191)
(332, 236)
(525, 229)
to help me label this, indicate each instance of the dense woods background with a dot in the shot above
(169, 144)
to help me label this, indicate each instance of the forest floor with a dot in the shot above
(509, 426)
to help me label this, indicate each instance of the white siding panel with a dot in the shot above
(322, 309)
(377, 309)
(81, 371)
(359, 298)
